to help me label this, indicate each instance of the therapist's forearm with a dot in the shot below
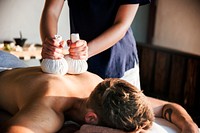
(49, 18)
(178, 115)
(116, 32)
(106, 40)
(48, 26)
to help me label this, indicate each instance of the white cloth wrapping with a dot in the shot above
(74, 37)
(161, 125)
(76, 66)
(59, 66)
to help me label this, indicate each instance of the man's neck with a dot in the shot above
(77, 112)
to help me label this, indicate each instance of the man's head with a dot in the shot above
(118, 104)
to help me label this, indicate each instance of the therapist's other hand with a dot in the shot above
(52, 49)
(78, 50)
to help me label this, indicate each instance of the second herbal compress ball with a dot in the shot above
(76, 66)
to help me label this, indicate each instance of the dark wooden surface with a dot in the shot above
(171, 75)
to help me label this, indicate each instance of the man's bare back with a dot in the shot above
(23, 90)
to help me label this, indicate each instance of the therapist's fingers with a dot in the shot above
(78, 50)
(51, 49)
(81, 55)
(48, 54)
(62, 44)
(79, 43)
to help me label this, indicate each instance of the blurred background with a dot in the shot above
(173, 24)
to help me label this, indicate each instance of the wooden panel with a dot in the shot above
(191, 83)
(196, 109)
(177, 79)
(162, 72)
(171, 75)
(147, 59)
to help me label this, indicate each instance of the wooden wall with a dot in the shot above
(171, 75)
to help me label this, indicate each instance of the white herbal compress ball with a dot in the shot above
(59, 66)
(76, 66)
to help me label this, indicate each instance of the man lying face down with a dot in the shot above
(113, 103)
(40, 103)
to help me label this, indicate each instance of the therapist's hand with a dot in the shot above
(51, 49)
(78, 50)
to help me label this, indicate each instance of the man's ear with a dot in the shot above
(91, 118)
